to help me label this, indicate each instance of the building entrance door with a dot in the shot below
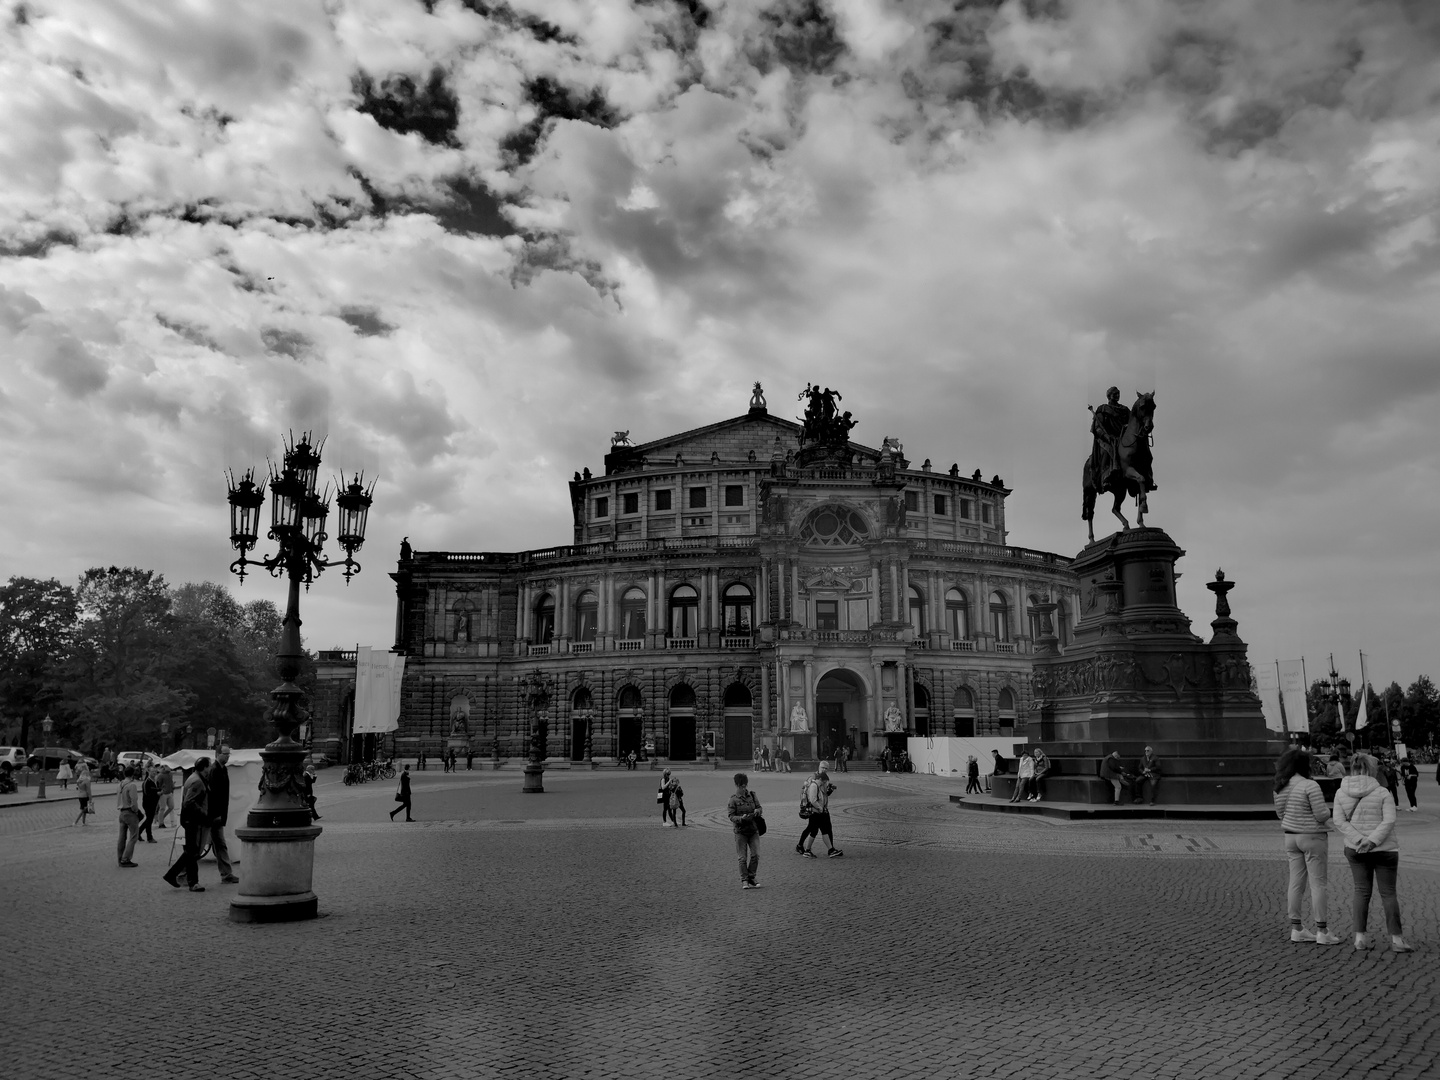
(831, 725)
(631, 737)
(577, 738)
(682, 738)
(738, 738)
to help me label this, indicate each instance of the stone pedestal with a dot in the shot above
(801, 745)
(279, 869)
(1136, 676)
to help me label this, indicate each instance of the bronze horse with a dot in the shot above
(1134, 476)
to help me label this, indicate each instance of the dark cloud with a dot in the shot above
(38, 246)
(398, 104)
(505, 15)
(801, 35)
(66, 361)
(469, 208)
(552, 101)
(191, 333)
(289, 343)
(366, 322)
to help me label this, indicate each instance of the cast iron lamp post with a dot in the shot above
(535, 692)
(588, 715)
(278, 839)
(1338, 694)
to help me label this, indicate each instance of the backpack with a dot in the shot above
(806, 806)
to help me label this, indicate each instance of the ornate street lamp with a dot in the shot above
(279, 839)
(1338, 694)
(164, 731)
(588, 715)
(535, 692)
(47, 726)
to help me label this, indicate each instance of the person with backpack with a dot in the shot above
(815, 806)
(672, 798)
(748, 818)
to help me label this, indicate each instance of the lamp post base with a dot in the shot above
(279, 870)
(534, 778)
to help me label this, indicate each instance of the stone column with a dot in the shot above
(877, 706)
(894, 591)
(784, 694)
(764, 696)
(810, 694)
(796, 609)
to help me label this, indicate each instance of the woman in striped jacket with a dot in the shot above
(1304, 817)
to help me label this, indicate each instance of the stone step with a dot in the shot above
(1172, 790)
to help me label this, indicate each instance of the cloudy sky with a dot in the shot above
(469, 240)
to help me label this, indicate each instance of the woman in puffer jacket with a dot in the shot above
(1365, 816)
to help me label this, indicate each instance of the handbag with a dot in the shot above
(759, 825)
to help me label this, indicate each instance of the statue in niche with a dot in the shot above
(799, 721)
(463, 625)
(894, 718)
(460, 716)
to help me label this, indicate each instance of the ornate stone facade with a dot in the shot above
(716, 580)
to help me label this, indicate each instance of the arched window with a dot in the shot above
(917, 611)
(1005, 708)
(582, 700)
(922, 711)
(1062, 623)
(739, 610)
(684, 611)
(1032, 614)
(834, 526)
(957, 614)
(682, 697)
(587, 616)
(630, 700)
(545, 619)
(964, 714)
(999, 616)
(737, 696)
(632, 614)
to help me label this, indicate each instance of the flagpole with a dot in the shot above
(1280, 693)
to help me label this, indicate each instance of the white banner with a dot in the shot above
(1362, 718)
(1292, 692)
(1267, 686)
(377, 690)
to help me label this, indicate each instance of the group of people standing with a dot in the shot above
(1364, 815)
(145, 798)
(776, 761)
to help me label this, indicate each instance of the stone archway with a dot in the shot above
(842, 709)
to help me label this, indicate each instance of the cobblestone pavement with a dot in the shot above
(569, 935)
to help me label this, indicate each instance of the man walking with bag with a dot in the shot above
(745, 814)
(402, 796)
(219, 783)
(815, 798)
(127, 802)
(194, 817)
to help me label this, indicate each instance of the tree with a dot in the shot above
(116, 686)
(1420, 713)
(1325, 721)
(37, 624)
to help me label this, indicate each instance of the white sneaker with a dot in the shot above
(1327, 938)
(1398, 944)
(1301, 936)
(1363, 942)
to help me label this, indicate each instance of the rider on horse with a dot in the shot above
(1107, 427)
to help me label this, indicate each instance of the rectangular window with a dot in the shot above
(965, 509)
(602, 507)
(827, 615)
(985, 513)
(697, 498)
(734, 495)
(662, 500)
(939, 505)
(632, 502)
(912, 502)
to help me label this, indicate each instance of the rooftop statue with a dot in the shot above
(1120, 462)
(823, 422)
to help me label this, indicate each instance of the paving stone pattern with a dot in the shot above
(568, 935)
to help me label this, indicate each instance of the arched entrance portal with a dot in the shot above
(841, 706)
(682, 723)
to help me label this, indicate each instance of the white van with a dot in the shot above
(15, 755)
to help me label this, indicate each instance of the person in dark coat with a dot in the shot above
(150, 801)
(218, 781)
(308, 779)
(972, 776)
(194, 817)
(403, 795)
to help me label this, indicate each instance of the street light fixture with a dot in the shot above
(164, 731)
(1338, 694)
(535, 692)
(279, 838)
(47, 726)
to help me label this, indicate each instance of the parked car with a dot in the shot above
(136, 757)
(15, 755)
(50, 757)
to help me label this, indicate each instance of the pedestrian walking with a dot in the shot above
(842, 757)
(64, 775)
(1385, 773)
(167, 794)
(1114, 774)
(1365, 815)
(218, 781)
(469, 759)
(764, 759)
(127, 804)
(82, 789)
(402, 796)
(1410, 775)
(421, 762)
(672, 799)
(747, 817)
(784, 759)
(308, 779)
(149, 801)
(972, 776)
(194, 817)
(815, 805)
(1303, 815)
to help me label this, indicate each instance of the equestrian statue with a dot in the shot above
(1120, 461)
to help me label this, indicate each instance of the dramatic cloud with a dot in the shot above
(471, 239)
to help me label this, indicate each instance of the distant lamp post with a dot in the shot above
(1338, 694)
(535, 692)
(47, 726)
(588, 715)
(279, 839)
(164, 733)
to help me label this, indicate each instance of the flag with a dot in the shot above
(1267, 687)
(378, 677)
(1362, 717)
(1292, 693)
